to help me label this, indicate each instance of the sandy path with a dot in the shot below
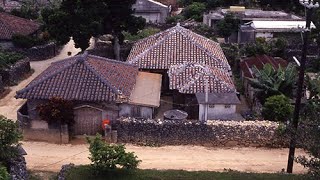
(50, 157)
(9, 105)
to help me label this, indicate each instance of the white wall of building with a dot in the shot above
(216, 110)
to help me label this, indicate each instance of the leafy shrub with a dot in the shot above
(194, 11)
(9, 139)
(106, 156)
(9, 58)
(277, 108)
(27, 41)
(174, 19)
(227, 25)
(311, 138)
(22, 41)
(4, 175)
(25, 12)
(141, 34)
(57, 111)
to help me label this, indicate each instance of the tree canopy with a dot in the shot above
(228, 25)
(84, 19)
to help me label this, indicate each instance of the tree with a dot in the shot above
(270, 81)
(311, 138)
(9, 139)
(277, 108)
(83, 19)
(57, 111)
(227, 26)
(194, 11)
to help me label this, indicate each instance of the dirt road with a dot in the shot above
(50, 157)
(9, 105)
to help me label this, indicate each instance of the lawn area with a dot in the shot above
(85, 172)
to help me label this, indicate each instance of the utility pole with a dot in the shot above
(309, 6)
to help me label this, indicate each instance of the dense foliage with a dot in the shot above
(26, 12)
(270, 81)
(141, 34)
(57, 112)
(277, 108)
(21, 41)
(4, 175)
(106, 156)
(228, 25)
(311, 138)
(8, 58)
(86, 18)
(275, 47)
(194, 11)
(9, 139)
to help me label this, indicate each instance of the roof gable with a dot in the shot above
(175, 46)
(190, 79)
(84, 78)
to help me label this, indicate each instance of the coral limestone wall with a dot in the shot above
(213, 133)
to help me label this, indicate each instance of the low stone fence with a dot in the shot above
(16, 72)
(39, 53)
(212, 134)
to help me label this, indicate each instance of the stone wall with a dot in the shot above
(44, 52)
(212, 134)
(16, 72)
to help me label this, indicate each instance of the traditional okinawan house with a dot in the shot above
(174, 46)
(100, 89)
(12, 25)
(247, 65)
(152, 11)
(195, 81)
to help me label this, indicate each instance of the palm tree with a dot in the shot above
(270, 81)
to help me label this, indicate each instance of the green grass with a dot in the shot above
(85, 172)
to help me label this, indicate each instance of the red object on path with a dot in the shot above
(105, 122)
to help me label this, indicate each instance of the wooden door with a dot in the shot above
(87, 121)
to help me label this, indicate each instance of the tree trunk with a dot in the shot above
(116, 48)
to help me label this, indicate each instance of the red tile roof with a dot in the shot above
(10, 25)
(190, 79)
(176, 45)
(247, 64)
(84, 78)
